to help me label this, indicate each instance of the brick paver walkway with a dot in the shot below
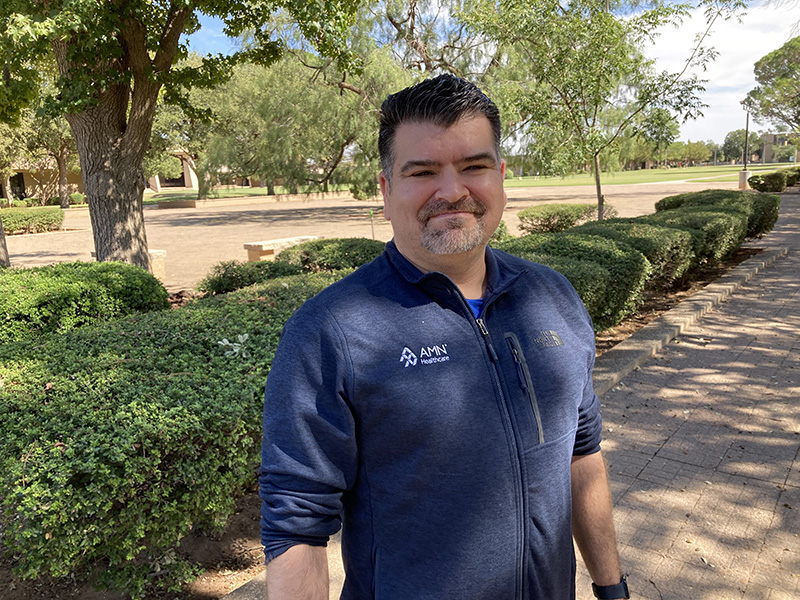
(702, 443)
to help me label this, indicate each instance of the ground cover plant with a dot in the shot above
(31, 220)
(117, 439)
(65, 296)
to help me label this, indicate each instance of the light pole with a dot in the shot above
(744, 175)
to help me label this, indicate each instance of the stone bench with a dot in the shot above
(268, 249)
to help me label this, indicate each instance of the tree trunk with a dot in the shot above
(4, 260)
(600, 200)
(114, 182)
(63, 186)
(7, 190)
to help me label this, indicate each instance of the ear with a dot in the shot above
(385, 193)
(503, 178)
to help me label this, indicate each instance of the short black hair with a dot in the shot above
(443, 101)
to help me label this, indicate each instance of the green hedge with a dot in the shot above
(64, 296)
(628, 268)
(231, 275)
(719, 231)
(317, 255)
(668, 250)
(553, 218)
(332, 254)
(761, 209)
(117, 439)
(32, 220)
(589, 279)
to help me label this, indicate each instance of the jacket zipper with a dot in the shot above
(525, 380)
(520, 484)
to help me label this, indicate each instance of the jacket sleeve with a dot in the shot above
(308, 451)
(590, 424)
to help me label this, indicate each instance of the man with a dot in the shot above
(437, 403)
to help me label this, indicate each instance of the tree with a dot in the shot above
(777, 97)
(784, 153)
(660, 128)
(733, 145)
(113, 60)
(584, 64)
(697, 152)
(677, 152)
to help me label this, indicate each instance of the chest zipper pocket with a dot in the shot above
(525, 381)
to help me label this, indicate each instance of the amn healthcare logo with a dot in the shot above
(427, 355)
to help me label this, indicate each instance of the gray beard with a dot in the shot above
(456, 238)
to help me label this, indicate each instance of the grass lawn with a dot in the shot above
(221, 192)
(702, 174)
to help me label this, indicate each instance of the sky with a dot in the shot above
(762, 30)
(740, 44)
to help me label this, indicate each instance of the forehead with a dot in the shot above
(425, 140)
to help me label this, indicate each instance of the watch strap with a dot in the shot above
(611, 592)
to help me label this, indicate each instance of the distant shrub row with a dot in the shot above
(552, 218)
(61, 297)
(612, 263)
(31, 220)
(776, 181)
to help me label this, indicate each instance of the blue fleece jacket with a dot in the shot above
(440, 443)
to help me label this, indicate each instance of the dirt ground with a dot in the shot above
(234, 556)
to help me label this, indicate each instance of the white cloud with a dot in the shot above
(739, 44)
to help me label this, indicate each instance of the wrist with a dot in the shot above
(612, 592)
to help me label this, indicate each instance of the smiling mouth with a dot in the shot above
(434, 210)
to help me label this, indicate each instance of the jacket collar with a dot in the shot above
(500, 273)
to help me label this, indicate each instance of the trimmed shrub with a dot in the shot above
(721, 230)
(77, 198)
(757, 183)
(792, 176)
(118, 439)
(775, 182)
(628, 269)
(500, 235)
(231, 275)
(332, 254)
(554, 218)
(65, 296)
(31, 220)
(589, 279)
(668, 250)
(761, 209)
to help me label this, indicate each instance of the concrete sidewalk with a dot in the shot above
(703, 439)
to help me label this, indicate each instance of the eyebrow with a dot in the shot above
(413, 164)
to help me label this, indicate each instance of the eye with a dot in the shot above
(424, 173)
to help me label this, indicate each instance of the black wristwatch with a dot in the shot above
(611, 592)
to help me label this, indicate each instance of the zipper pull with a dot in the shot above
(487, 339)
(520, 372)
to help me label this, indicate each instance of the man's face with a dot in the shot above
(446, 195)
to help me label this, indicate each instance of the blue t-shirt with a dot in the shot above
(476, 306)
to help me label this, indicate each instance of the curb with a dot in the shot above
(612, 366)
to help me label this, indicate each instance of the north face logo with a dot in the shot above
(409, 357)
(548, 339)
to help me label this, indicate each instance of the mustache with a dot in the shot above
(434, 208)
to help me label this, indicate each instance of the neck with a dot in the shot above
(467, 270)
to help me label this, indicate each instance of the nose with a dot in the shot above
(451, 186)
